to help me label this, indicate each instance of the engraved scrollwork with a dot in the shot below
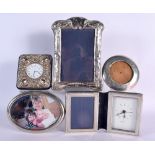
(77, 23)
(24, 81)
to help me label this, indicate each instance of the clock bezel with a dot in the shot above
(44, 81)
(30, 66)
(137, 96)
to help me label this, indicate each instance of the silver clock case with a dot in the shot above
(126, 95)
(111, 83)
(77, 23)
(42, 82)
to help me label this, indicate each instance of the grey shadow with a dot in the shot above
(41, 43)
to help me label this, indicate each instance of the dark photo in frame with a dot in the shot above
(77, 56)
(82, 111)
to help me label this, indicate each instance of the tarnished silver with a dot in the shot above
(139, 98)
(44, 81)
(77, 23)
(112, 84)
(69, 96)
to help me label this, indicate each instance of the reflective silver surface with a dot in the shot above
(77, 23)
(112, 84)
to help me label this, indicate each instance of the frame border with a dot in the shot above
(54, 125)
(77, 23)
(139, 97)
(69, 95)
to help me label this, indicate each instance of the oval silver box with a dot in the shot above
(36, 111)
(111, 83)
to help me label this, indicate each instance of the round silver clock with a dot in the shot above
(120, 73)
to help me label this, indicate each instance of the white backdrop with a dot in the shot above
(132, 35)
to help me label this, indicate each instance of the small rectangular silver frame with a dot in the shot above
(111, 95)
(69, 95)
(77, 23)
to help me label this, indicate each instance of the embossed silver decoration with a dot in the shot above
(77, 23)
(42, 82)
(112, 84)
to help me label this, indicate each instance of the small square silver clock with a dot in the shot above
(124, 112)
(34, 72)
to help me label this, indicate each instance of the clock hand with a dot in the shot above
(124, 115)
(38, 72)
(129, 112)
(122, 112)
(34, 73)
(119, 113)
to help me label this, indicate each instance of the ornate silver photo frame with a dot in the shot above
(36, 111)
(124, 112)
(82, 111)
(77, 53)
(120, 73)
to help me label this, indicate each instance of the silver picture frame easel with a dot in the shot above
(75, 126)
(77, 24)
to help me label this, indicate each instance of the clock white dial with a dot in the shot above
(124, 113)
(34, 70)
